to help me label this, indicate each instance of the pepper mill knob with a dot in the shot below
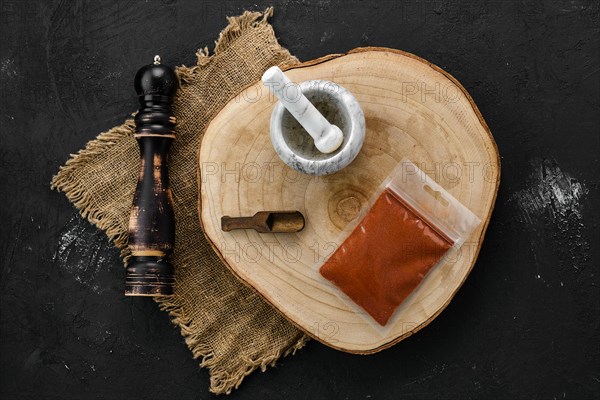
(152, 221)
(156, 79)
(156, 85)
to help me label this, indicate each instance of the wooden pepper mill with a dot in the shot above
(152, 222)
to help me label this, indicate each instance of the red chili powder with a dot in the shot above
(386, 257)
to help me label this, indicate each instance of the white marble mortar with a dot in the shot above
(296, 147)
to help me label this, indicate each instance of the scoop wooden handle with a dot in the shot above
(152, 221)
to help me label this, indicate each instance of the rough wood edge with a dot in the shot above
(481, 236)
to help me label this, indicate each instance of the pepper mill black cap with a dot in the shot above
(156, 85)
(156, 79)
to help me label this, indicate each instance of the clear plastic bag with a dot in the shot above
(409, 226)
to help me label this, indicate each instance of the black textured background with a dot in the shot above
(525, 324)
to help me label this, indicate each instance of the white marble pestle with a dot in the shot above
(327, 137)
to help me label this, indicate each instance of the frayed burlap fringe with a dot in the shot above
(221, 380)
(235, 28)
(65, 181)
(208, 302)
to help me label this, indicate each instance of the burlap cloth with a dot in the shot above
(224, 323)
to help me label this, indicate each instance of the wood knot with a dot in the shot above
(348, 208)
(345, 206)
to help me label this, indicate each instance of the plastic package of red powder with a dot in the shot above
(407, 229)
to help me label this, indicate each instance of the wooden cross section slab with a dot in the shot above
(413, 110)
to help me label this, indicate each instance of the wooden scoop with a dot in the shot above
(266, 222)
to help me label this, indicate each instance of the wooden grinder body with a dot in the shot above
(152, 221)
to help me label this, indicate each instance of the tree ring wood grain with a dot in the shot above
(413, 110)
